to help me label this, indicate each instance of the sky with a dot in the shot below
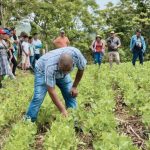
(102, 3)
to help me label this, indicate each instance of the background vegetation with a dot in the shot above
(81, 19)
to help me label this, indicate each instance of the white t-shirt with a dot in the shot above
(37, 43)
(32, 49)
(139, 42)
(25, 47)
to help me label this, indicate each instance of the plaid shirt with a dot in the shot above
(48, 64)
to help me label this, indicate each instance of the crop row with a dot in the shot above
(95, 113)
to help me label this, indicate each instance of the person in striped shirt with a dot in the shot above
(52, 69)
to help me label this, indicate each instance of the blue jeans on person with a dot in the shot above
(32, 61)
(98, 56)
(137, 54)
(40, 90)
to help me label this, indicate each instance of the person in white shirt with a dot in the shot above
(25, 53)
(38, 45)
(32, 51)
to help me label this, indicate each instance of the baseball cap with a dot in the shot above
(138, 30)
(2, 31)
(8, 32)
(98, 36)
(112, 32)
(62, 31)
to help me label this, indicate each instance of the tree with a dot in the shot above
(81, 19)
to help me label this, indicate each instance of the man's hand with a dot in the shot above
(56, 101)
(74, 92)
(65, 113)
(116, 47)
(10, 59)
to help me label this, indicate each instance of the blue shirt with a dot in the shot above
(48, 63)
(134, 41)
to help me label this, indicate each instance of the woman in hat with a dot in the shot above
(98, 49)
(11, 56)
(4, 64)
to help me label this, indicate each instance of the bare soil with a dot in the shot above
(86, 141)
(39, 139)
(4, 134)
(130, 123)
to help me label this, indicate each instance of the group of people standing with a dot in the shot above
(15, 51)
(54, 67)
(22, 51)
(113, 43)
(31, 47)
(8, 62)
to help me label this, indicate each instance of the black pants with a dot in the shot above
(14, 62)
(37, 56)
(137, 54)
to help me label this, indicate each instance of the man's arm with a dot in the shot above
(119, 43)
(38, 46)
(131, 44)
(56, 41)
(56, 101)
(78, 77)
(144, 45)
(68, 42)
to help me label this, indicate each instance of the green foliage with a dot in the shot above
(95, 113)
(81, 20)
(134, 83)
(21, 136)
(15, 102)
(61, 136)
(118, 142)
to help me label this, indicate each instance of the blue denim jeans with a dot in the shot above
(137, 54)
(98, 56)
(40, 90)
(32, 61)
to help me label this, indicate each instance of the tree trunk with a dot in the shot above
(2, 23)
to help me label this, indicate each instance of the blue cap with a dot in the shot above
(8, 32)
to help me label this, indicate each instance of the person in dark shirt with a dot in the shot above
(113, 44)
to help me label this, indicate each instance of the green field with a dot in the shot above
(113, 112)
